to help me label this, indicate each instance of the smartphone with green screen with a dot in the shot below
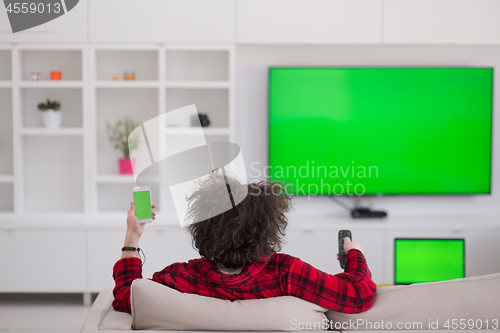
(142, 200)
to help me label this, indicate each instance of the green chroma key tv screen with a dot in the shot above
(428, 260)
(356, 131)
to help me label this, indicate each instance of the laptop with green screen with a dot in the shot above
(428, 260)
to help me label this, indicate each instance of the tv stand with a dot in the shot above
(359, 213)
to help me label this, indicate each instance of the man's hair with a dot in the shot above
(246, 233)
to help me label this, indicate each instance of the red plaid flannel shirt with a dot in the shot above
(279, 275)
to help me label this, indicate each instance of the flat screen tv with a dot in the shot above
(369, 131)
(428, 260)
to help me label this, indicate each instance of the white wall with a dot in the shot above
(270, 22)
(252, 114)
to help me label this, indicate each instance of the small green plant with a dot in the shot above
(119, 132)
(54, 105)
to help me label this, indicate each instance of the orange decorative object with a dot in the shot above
(55, 75)
(129, 76)
(115, 78)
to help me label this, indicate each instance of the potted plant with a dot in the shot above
(118, 135)
(51, 113)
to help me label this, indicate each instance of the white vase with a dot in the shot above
(51, 118)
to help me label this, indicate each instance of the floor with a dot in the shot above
(42, 313)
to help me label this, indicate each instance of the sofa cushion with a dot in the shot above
(436, 304)
(109, 318)
(157, 307)
(115, 320)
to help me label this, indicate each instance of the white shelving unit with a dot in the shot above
(60, 188)
(74, 168)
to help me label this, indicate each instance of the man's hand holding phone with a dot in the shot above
(134, 231)
(133, 223)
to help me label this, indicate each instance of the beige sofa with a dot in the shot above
(470, 303)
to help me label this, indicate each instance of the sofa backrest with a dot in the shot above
(157, 307)
(472, 303)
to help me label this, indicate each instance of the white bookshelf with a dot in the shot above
(51, 84)
(51, 132)
(198, 84)
(74, 169)
(179, 131)
(57, 186)
(164, 81)
(127, 84)
(51, 172)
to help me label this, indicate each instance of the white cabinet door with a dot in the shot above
(164, 246)
(186, 21)
(103, 250)
(70, 27)
(308, 21)
(42, 261)
(482, 252)
(441, 22)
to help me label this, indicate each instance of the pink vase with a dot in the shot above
(126, 166)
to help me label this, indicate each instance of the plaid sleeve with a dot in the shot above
(125, 271)
(349, 292)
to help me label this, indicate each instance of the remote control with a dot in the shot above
(342, 255)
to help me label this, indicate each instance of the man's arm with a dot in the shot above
(129, 267)
(349, 292)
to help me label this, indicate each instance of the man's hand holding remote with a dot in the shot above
(348, 245)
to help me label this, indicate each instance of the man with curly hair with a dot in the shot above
(239, 253)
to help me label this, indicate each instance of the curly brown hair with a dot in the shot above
(245, 233)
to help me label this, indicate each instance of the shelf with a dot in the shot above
(125, 179)
(194, 131)
(198, 84)
(51, 132)
(43, 61)
(127, 84)
(140, 104)
(71, 106)
(116, 198)
(51, 178)
(197, 65)
(51, 84)
(143, 63)
(6, 178)
(214, 102)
